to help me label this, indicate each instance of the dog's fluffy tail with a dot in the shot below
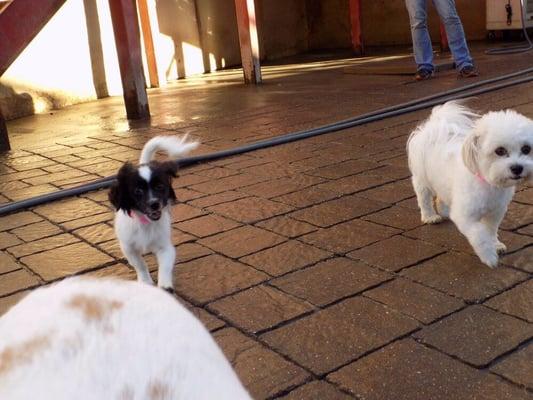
(447, 122)
(454, 116)
(174, 146)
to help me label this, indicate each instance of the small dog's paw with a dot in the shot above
(432, 219)
(500, 247)
(145, 279)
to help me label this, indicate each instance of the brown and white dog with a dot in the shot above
(109, 339)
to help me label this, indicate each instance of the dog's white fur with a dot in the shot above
(108, 339)
(174, 146)
(452, 158)
(136, 238)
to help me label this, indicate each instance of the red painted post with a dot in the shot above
(248, 39)
(4, 139)
(443, 38)
(20, 22)
(128, 43)
(355, 21)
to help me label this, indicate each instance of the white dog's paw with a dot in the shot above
(489, 259)
(500, 247)
(432, 219)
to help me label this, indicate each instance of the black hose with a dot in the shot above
(515, 49)
(373, 116)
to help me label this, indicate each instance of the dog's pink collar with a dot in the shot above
(480, 178)
(143, 219)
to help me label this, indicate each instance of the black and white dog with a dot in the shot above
(142, 198)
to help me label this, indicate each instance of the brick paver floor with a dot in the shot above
(308, 261)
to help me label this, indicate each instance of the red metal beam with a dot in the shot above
(248, 39)
(20, 22)
(4, 4)
(355, 21)
(128, 43)
(443, 38)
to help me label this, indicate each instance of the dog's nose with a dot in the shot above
(517, 169)
(155, 206)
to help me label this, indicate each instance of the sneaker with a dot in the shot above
(468, 72)
(423, 74)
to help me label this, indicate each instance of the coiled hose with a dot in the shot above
(469, 90)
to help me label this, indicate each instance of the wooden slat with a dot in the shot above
(20, 22)
(355, 21)
(94, 38)
(385, 69)
(443, 38)
(128, 43)
(4, 139)
(146, 28)
(248, 40)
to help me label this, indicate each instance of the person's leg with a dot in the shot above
(454, 29)
(420, 34)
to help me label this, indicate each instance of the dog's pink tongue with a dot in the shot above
(143, 219)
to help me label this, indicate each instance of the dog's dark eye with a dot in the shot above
(526, 149)
(138, 192)
(500, 151)
(159, 187)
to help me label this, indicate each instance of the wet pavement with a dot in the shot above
(307, 261)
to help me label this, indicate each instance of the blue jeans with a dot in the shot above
(422, 42)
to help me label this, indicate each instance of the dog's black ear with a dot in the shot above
(172, 195)
(119, 195)
(171, 169)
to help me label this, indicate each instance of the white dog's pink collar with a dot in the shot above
(141, 217)
(480, 178)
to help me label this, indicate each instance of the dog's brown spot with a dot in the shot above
(22, 353)
(158, 391)
(94, 308)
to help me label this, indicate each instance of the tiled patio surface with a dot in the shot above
(307, 261)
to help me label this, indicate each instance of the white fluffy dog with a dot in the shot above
(108, 339)
(471, 164)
